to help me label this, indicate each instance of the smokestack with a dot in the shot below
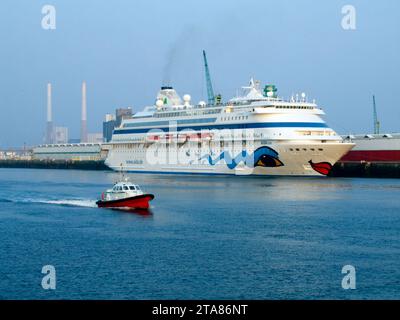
(49, 124)
(83, 119)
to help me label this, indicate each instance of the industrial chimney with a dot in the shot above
(83, 119)
(49, 124)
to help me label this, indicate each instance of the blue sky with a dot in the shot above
(123, 49)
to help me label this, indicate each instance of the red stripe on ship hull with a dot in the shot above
(372, 156)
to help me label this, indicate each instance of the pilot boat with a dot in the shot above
(125, 195)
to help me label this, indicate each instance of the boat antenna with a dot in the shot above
(121, 172)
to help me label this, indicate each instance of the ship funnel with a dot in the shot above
(169, 96)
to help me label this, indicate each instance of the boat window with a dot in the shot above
(132, 187)
(126, 188)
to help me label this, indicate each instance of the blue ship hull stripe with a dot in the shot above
(234, 126)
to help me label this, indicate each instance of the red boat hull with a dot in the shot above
(137, 202)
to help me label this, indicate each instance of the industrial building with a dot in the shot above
(90, 146)
(77, 152)
(111, 122)
(122, 113)
(108, 127)
(95, 137)
(60, 135)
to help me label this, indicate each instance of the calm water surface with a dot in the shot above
(207, 237)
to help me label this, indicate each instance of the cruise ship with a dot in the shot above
(254, 133)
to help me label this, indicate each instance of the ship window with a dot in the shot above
(132, 187)
(297, 149)
(320, 149)
(126, 188)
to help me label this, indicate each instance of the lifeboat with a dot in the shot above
(125, 195)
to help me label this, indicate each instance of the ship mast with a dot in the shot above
(377, 124)
(210, 90)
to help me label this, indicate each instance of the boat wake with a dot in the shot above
(72, 202)
(61, 202)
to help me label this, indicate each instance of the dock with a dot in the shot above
(54, 164)
(366, 169)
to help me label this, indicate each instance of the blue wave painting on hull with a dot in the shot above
(262, 157)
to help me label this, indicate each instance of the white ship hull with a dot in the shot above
(296, 163)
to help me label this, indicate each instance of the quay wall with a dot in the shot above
(340, 169)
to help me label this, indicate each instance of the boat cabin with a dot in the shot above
(125, 187)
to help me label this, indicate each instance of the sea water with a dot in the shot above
(206, 237)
